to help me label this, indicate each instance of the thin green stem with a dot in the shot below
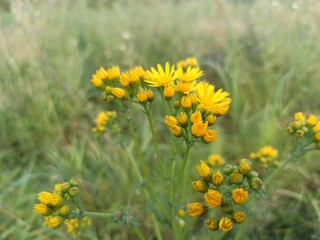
(155, 143)
(98, 214)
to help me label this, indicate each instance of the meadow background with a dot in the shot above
(265, 53)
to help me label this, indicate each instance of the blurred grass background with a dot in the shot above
(265, 53)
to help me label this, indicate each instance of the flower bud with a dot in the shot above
(181, 212)
(239, 195)
(211, 119)
(183, 119)
(236, 177)
(213, 198)
(228, 169)
(238, 217)
(200, 186)
(150, 95)
(204, 171)
(74, 191)
(217, 178)
(195, 209)
(168, 92)
(255, 183)
(245, 166)
(212, 224)
(64, 210)
(225, 224)
(299, 133)
(253, 174)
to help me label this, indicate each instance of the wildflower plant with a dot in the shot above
(191, 107)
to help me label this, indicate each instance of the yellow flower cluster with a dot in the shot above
(266, 156)
(196, 103)
(55, 206)
(226, 188)
(104, 119)
(306, 127)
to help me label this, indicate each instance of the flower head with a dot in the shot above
(51, 199)
(213, 198)
(225, 224)
(204, 170)
(212, 224)
(239, 217)
(191, 74)
(41, 209)
(239, 195)
(195, 209)
(162, 77)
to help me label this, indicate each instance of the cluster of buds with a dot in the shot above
(58, 206)
(187, 123)
(104, 121)
(306, 127)
(226, 188)
(266, 156)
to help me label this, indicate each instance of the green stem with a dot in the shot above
(155, 143)
(98, 214)
(142, 165)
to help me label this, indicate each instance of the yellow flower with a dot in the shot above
(185, 87)
(170, 121)
(191, 74)
(199, 129)
(51, 199)
(215, 160)
(101, 73)
(217, 178)
(196, 117)
(181, 213)
(162, 77)
(113, 73)
(225, 224)
(200, 186)
(245, 166)
(132, 76)
(118, 92)
(97, 82)
(204, 170)
(186, 102)
(41, 209)
(168, 92)
(211, 101)
(183, 119)
(142, 96)
(238, 217)
(192, 61)
(194, 99)
(312, 120)
(268, 151)
(211, 119)
(239, 195)
(52, 221)
(176, 131)
(316, 128)
(150, 95)
(213, 198)
(195, 209)
(299, 116)
(210, 136)
(212, 224)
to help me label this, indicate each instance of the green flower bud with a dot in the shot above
(236, 177)
(255, 183)
(253, 174)
(74, 182)
(227, 169)
(74, 191)
(245, 185)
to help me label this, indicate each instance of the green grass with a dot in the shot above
(266, 55)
